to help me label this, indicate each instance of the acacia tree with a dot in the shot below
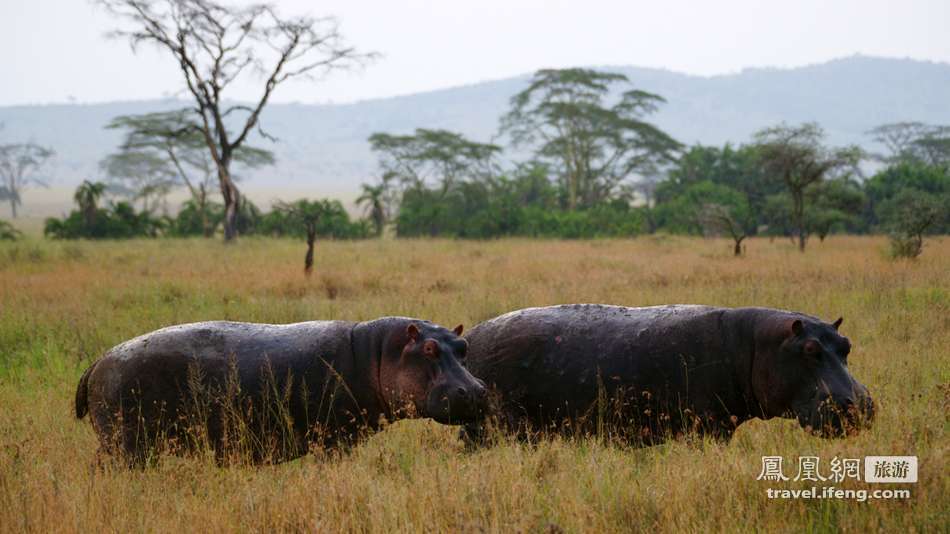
(306, 213)
(438, 156)
(911, 142)
(734, 220)
(175, 137)
(18, 165)
(833, 203)
(934, 147)
(214, 45)
(798, 156)
(139, 175)
(564, 115)
(897, 138)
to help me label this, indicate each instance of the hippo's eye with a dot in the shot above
(811, 348)
(845, 351)
(430, 349)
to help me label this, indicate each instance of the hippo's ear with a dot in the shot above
(458, 330)
(837, 323)
(797, 327)
(413, 332)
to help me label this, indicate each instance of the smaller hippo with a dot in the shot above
(645, 374)
(270, 392)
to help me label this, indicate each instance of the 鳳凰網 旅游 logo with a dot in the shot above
(893, 469)
(823, 474)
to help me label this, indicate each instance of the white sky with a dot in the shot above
(55, 50)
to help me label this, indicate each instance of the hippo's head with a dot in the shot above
(426, 372)
(800, 370)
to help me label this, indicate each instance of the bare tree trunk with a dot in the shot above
(231, 198)
(799, 211)
(572, 193)
(308, 259)
(13, 206)
(737, 250)
(203, 207)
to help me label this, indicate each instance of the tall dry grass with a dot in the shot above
(63, 304)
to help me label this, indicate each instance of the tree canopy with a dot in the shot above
(437, 157)
(215, 45)
(798, 156)
(161, 151)
(591, 141)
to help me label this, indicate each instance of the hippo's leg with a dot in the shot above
(509, 421)
(723, 435)
(146, 431)
(474, 435)
(136, 450)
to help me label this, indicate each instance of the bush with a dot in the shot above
(910, 214)
(191, 222)
(8, 232)
(886, 185)
(616, 219)
(906, 246)
(119, 221)
(681, 214)
(503, 207)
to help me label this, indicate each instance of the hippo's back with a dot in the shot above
(573, 334)
(563, 355)
(245, 341)
(158, 364)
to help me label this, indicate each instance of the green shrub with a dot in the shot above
(8, 232)
(118, 221)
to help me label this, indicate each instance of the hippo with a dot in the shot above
(643, 375)
(271, 392)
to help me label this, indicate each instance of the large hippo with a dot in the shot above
(270, 392)
(645, 374)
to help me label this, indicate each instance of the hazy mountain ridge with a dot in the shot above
(323, 148)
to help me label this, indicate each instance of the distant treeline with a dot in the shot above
(597, 168)
(708, 189)
(119, 219)
(589, 165)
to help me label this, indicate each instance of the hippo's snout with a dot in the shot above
(480, 396)
(840, 415)
(454, 403)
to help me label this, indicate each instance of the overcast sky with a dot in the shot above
(55, 50)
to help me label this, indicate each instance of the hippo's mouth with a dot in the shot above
(453, 409)
(829, 420)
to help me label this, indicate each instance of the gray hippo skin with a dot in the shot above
(643, 375)
(273, 391)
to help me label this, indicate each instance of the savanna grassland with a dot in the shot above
(63, 304)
